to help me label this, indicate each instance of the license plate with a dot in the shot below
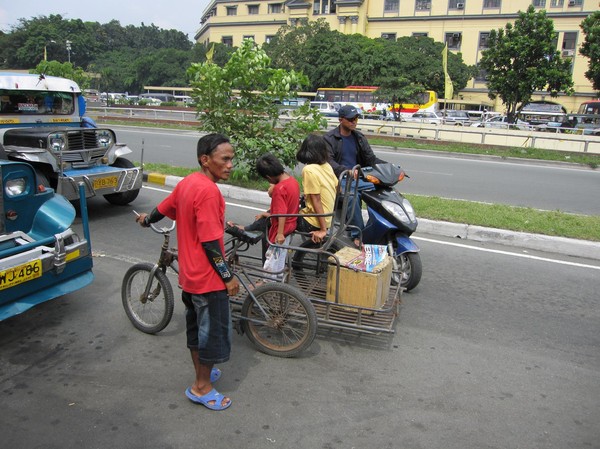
(20, 274)
(103, 183)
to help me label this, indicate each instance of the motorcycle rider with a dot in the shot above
(347, 148)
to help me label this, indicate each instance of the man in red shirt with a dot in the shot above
(198, 206)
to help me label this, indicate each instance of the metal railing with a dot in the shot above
(563, 139)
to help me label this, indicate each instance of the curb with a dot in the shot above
(537, 242)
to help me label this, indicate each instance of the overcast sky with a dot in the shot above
(182, 15)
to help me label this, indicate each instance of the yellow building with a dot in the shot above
(463, 24)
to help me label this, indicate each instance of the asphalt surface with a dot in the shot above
(528, 241)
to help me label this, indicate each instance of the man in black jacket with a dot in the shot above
(347, 148)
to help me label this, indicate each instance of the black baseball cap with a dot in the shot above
(348, 111)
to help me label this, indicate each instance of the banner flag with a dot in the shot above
(448, 87)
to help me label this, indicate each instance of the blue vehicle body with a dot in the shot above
(41, 257)
(378, 227)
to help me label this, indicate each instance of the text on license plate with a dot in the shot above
(103, 183)
(19, 274)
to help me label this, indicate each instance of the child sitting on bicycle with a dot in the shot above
(285, 198)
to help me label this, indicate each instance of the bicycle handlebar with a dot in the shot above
(163, 230)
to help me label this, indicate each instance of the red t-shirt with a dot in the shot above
(284, 200)
(198, 206)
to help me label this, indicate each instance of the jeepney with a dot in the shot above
(43, 122)
(41, 256)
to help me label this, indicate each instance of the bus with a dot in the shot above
(362, 98)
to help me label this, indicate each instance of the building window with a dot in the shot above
(557, 3)
(423, 5)
(575, 2)
(275, 8)
(231, 10)
(269, 38)
(389, 36)
(227, 40)
(456, 4)
(418, 34)
(483, 40)
(569, 44)
(453, 40)
(492, 3)
(248, 36)
(481, 75)
(252, 9)
(391, 6)
(539, 3)
(324, 7)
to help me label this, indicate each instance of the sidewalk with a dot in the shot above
(557, 245)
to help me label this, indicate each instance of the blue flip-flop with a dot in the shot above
(215, 374)
(212, 395)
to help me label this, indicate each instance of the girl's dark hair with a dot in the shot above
(269, 165)
(208, 143)
(313, 150)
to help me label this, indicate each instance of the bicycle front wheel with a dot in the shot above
(279, 320)
(152, 312)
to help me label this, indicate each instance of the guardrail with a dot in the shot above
(467, 134)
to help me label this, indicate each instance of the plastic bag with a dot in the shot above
(275, 258)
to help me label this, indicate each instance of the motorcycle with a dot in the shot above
(391, 222)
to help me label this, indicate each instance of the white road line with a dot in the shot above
(508, 253)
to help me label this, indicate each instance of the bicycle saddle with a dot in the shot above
(250, 237)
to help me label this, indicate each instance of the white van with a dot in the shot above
(185, 99)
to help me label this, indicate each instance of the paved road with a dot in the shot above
(494, 349)
(518, 183)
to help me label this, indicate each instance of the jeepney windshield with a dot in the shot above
(24, 102)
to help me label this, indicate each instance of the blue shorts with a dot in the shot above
(208, 325)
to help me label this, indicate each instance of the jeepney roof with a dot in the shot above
(32, 81)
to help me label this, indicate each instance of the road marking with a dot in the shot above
(508, 253)
(441, 242)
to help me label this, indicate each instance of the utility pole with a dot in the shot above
(69, 49)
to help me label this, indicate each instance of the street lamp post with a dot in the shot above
(69, 49)
(46, 49)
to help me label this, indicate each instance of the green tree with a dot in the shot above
(591, 47)
(64, 70)
(397, 91)
(249, 116)
(330, 58)
(522, 58)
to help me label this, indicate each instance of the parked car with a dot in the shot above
(41, 257)
(327, 108)
(501, 122)
(434, 118)
(454, 117)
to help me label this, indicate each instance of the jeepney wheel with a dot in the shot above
(122, 198)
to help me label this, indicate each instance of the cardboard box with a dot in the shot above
(359, 288)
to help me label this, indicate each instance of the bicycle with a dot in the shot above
(276, 317)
